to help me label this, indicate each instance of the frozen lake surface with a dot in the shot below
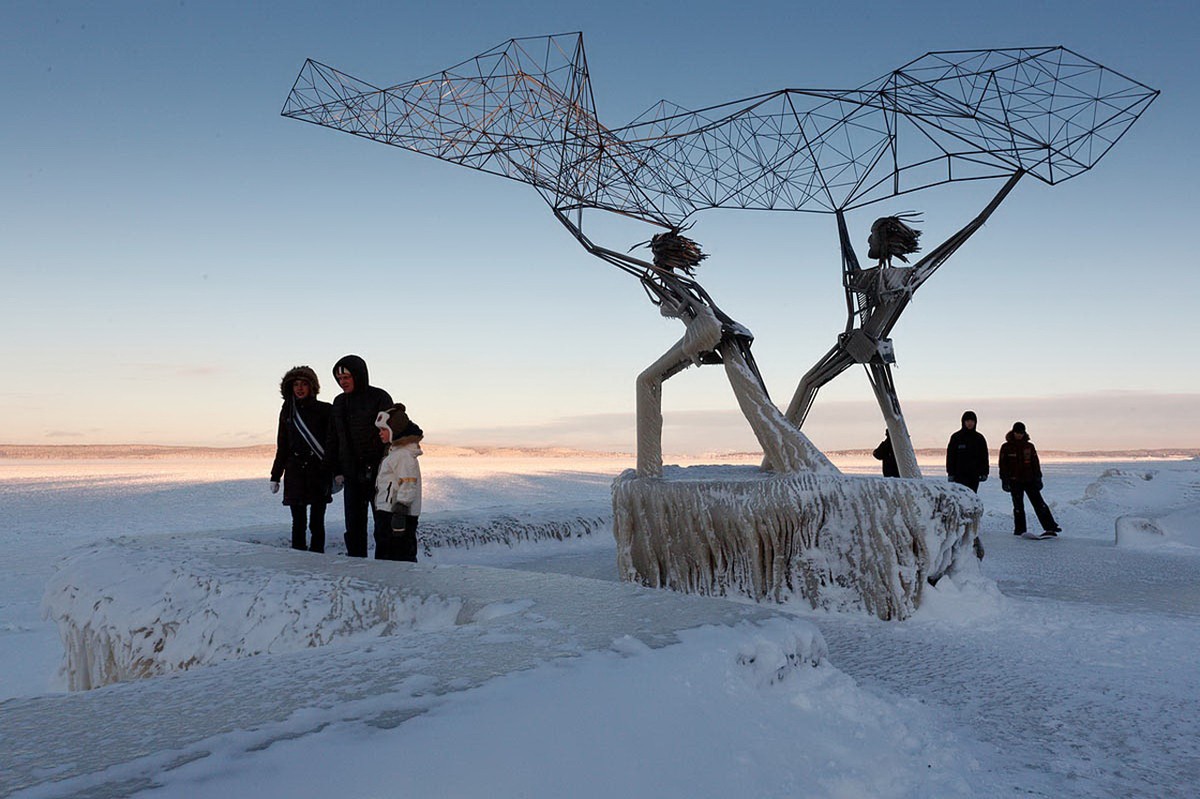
(1067, 669)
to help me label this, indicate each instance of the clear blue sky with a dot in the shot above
(170, 245)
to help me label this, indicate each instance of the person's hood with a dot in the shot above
(357, 367)
(971, 416)
(299, 373)
(1012, 439)
(412, 447)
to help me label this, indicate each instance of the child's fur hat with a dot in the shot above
(394, 419)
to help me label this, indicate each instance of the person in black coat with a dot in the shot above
(300, 454)
(967, 454)
(1021, 475)
(885, 453)
(354, 450)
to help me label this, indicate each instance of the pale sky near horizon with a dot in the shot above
(170, 245)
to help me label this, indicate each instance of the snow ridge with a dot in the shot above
(509, 529)
(136, 611)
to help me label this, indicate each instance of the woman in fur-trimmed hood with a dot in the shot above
(300, 456)
(299, 373)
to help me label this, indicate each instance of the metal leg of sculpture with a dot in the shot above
(649, 410)
(703, 335)
(880, 375)
(836, 361)
(785, 447)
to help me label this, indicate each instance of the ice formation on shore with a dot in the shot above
(140, 610)
(510, 528)
(1153, 506)
(837, 541)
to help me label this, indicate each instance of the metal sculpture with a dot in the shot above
(525, 110)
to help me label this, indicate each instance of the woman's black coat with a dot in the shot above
(306, 480)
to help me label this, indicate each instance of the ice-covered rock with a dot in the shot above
(837, 541)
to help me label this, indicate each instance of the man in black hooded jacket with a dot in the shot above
(354, 450)
(967, 454)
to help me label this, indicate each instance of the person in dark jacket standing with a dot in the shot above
(885, 453)
(300, 456)
(1021, 474)
(967, 454)
(354, 448)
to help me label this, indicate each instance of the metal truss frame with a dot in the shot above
(525, 110)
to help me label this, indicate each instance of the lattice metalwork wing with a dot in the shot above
(525, 110)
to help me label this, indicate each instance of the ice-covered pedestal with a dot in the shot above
(837, 541)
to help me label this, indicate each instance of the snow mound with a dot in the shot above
(1152, 506)
(1169, 486)
(417, 634)
(139, 608)
(1177, 528)
(839, 542)
(136, 611)
(772, 654)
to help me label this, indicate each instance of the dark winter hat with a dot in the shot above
(394, 419)
(970, 415)
(357, 367)
(1018, 427)
(299, 373)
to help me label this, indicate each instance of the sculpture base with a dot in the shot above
(839, 542)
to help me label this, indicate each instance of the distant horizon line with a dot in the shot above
(104, 451)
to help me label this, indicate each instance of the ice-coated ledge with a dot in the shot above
(138, 610)
(511, 527)
(397, 637)
(835, 540)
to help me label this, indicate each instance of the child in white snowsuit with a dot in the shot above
(397, 501)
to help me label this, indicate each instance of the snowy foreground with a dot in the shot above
(511, 662)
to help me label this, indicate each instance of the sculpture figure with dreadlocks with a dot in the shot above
(525, 111)
(711, 337)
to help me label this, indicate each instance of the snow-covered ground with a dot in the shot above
(1066, 668)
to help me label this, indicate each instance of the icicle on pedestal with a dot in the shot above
(800, 529)
(839, 542)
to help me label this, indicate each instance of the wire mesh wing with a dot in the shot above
(950, 116)
(525, 110)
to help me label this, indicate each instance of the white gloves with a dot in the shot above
(274, 486)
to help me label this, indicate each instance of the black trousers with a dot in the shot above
(970, 482)
(356, 496)
(395, 536)
(1045, 517)
(302, 519)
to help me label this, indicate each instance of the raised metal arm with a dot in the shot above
(875, 298)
